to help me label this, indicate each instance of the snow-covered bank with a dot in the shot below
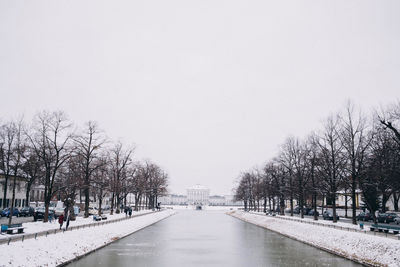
(40, 226)
(60, 248)
(357, 246)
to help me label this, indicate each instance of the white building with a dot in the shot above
(198, 195)
(20, 191)
(173, 199)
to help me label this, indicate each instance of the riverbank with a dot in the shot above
(58, 249)
(356, 246)
(40, 228)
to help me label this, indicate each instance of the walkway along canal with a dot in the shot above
(208, 238)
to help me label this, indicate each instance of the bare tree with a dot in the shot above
(355, 140)
(51, 142)
(390, 118)
(332, 160)
(120, 160)
(88, 145)
(286, 159)
(13, 149)
(33, 169)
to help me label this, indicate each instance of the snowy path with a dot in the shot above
(60, 248)
(357, 246)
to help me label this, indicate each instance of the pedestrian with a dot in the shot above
(61, 220)
(50, 217)
(130, 211)
(126, 211)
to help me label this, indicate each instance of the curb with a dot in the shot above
(110, 242)
(331, 251)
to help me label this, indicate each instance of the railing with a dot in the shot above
(339, 227)
(71, 228)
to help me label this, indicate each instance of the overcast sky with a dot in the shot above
(204, 88)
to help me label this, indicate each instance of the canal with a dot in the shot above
(208, 238)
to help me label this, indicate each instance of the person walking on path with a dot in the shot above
(61, 220)
(50, 217)
(130, 211)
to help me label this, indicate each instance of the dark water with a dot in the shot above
(208, 238)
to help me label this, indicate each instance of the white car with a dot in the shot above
(397, 220)
(59, 211)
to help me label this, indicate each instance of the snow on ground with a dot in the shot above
(366, 249)
(320, 221)
(39, 226)
(60, 248)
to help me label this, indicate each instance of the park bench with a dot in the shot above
(385, 228)
(9, 229)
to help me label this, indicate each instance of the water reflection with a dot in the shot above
(208, 238)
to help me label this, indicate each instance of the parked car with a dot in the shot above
(390, 217)
(329, 216)
(296, 210)
(364, 216)
(103, 217)
(93, 211)
(311, 213)
(27, 211)
(39, 213)
(96, 218)
(381, 218)
(6, 212)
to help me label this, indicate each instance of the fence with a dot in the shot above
(71, 228)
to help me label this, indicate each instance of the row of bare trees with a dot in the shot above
(71, 163)
(352, 153)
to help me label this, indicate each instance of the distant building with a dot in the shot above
(173, 199)
(198, 195)
(20, 191)
(217, 201)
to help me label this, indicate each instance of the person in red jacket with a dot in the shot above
(61, 220)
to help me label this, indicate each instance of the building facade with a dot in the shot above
(198, 195)
(20, 191)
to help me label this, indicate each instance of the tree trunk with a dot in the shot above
(282, 206)
(315, 206)
(353, 200)
(86, 192)
(13, 200)
(5, 191)
(117, 211)
(291, 204)
(112, 204)
(334, 207)
(28, 191)
(265, 204)
(345, 204)
(396, 197)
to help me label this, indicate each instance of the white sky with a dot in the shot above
(205, 88)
